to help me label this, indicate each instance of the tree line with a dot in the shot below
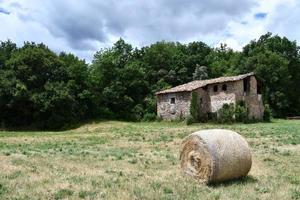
(47, 90)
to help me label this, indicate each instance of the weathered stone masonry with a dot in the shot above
(174, 103)
(170, 111)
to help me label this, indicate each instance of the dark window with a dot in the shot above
(259, 88)
(246, 84)
(173, 100)
(224, 87)
(215, 88)
(201, 100)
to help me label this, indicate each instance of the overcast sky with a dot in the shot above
(83, 27)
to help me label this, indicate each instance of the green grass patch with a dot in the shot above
(124, 160)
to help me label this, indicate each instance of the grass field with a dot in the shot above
(122, 160)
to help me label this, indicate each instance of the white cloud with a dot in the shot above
(82, 27)
(282, 18)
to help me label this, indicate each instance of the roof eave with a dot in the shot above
(169, 92)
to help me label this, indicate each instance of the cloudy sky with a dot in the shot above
(83, 27)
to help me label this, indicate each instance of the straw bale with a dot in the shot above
(215, 155)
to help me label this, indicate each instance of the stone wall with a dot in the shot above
(212, 101)
(221, 97)
(179, 110)
(255, 106)
(254, 101)
(234, 93)
(203, 100)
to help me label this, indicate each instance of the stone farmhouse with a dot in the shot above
(174, 103)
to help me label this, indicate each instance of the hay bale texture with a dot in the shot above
(215, 155)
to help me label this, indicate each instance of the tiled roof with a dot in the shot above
(202, 83)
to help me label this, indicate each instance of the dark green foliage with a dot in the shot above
(241, 112)
(276, 62)
(6, 50)
(120, 80)
(226, 114)
(212, 116)
(42, 89)
(148, 117)
(194, 107)
(230, 113)
(267, 113)
(190, 120)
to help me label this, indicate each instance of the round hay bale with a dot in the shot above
(215, 155)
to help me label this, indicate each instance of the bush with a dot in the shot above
(241, 112)
(137, 112)
(149, 117)
(226, 114)
(267, 113)
(189, 120)
(150, 104)
(106, 113)
(212, 116)
(230, 113)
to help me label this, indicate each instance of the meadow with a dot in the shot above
(126, 160)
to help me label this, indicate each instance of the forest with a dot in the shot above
(40, 88)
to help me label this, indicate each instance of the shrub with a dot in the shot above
(226, 114)
(230, 113)
(212, 116)
(150, 104)
(241, 103)
(241, 112)
(148, 117)
(137, 112)
(267, 113)
(189, 120)
(106, 113)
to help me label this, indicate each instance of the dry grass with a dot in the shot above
(119, 160)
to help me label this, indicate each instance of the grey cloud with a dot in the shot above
(84, 23)
(4, 11)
